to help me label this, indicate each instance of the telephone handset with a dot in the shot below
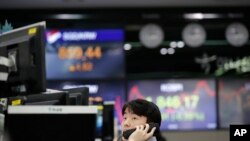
(127, 133)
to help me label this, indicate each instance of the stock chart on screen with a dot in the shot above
(185, 104)
(234, 101)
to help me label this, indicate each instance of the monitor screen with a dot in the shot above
(84, 54)
(22, 60)
(99, 121)
(50, 123)
(185, 104)
(108, 122)
(234, 101)
(105, 121)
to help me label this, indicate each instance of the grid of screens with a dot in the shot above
(234, 102)
(84, 54)
(185, 104)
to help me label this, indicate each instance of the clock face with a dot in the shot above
(237, 34)
(151, 35)
(194, 35)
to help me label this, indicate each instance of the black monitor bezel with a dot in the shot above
(29, 43)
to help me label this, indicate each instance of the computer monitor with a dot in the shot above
(108, 122)
(78, 96)
(22, 61)
(50, 123)
(56, 98)
(99, 92)
(105, 121)
(99, 121)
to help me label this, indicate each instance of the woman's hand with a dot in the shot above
(141, 133)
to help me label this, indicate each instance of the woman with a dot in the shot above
(136, 115)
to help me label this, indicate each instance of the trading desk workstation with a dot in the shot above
(30, 111)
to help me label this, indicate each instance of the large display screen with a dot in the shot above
(84, 54)
(185, 104)
(234, 102)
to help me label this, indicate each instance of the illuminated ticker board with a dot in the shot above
(84, 54)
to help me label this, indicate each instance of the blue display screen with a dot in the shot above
(84, 54)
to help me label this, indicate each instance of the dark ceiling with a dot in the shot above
(6, 4)
(141, 60)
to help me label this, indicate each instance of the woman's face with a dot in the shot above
(131, 120)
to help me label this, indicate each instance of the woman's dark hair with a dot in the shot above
(145, 108)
